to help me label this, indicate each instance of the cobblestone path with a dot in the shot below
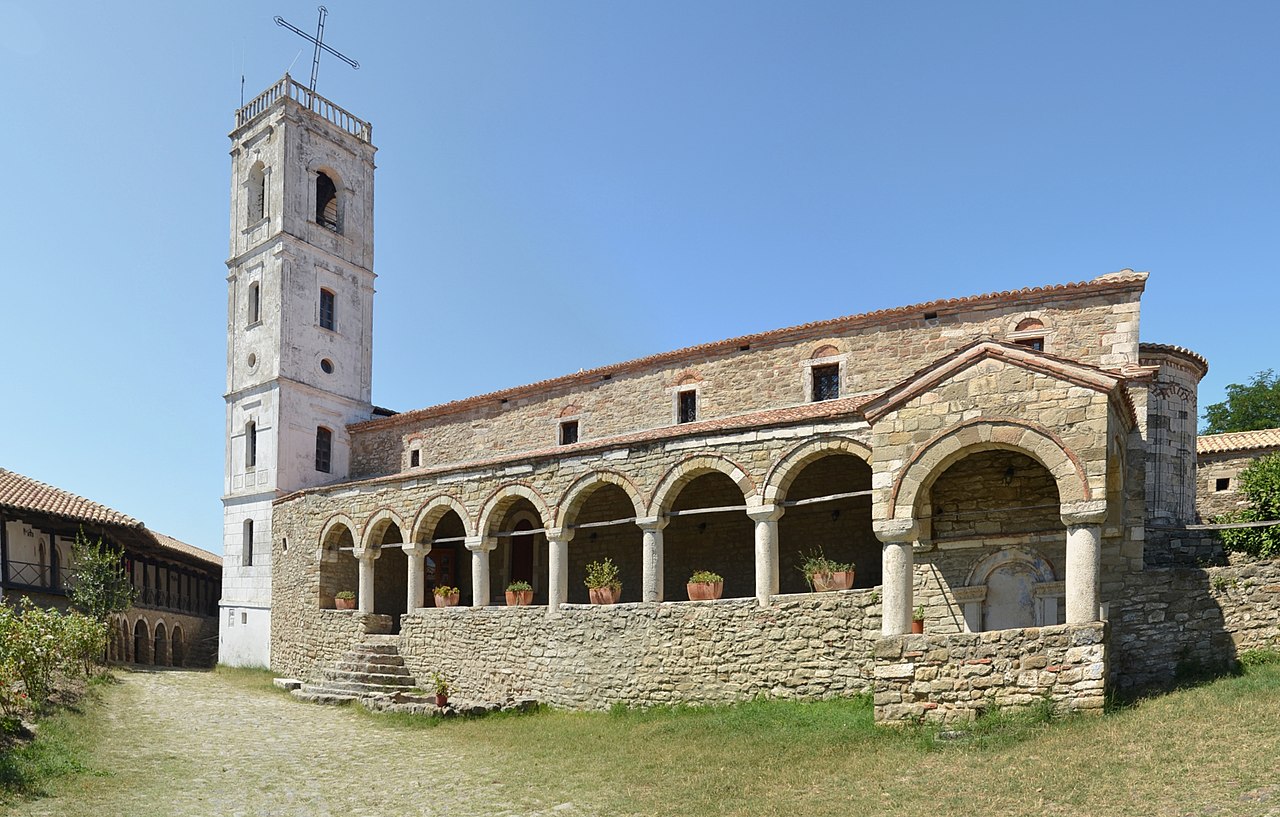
(195, 743)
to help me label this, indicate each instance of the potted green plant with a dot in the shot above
(447, 596)
(917, 619)
(705, 586)
(602, 582)
(442, 688)
(519, 594)
(344, 600)
(825, 574)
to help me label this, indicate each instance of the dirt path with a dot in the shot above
(186, 743)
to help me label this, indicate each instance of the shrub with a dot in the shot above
(705, 577)
(602, 574)
(519, 587)
(345, 595)
(816, 562)
(1260, 482)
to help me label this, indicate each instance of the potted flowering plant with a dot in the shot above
(344, 600)
(519, 594)
(825, 574)
(602, 582)
(704, 585)
(447, 596)
(442, 687)
(917, 619)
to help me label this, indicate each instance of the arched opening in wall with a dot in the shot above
(722, 542)
(519, 555)
(993, 501)
(177, 648)
(390, 573)
(1013, 588)
(141, 643)
(622, 543)
(124, 647)
(838, 528)
(160, 649)
(327, 202)
(339, 569)
(449, 563)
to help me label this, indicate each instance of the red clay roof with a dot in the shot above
(1125, 279)
(1182, 351)
(169, 543)
(1238, 441)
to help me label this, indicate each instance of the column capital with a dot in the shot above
(1084, 512)
(654, 523)
(369, 553)
(481, 544)
(765, 513)
(559, 534)
(417, 548)
(896, 530)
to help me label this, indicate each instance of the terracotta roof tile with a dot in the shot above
(1169, 348)
(1238, 441)
(26, 494)
(169, 543)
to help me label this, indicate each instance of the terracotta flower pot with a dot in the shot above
(344, 604)
(442, 700)
(705, 591)
(839, 580)
(917, 625)
(519, 598)
(450, 600)
(605, 595)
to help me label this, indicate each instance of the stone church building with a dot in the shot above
(1017, 464)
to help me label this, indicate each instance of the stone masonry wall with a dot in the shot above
(590, 657)
(1212, 501)
(955, 677)
(1097, 327)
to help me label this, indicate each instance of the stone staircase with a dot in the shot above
(371, 669)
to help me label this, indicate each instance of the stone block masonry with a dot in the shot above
(955, 677)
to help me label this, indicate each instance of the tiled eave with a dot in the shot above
(1238, 441)
(844, 408)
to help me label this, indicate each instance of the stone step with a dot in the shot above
(317, 696)
(385, 648)
(371, 666)
(372, 658)
(352, 688)
(370, 678)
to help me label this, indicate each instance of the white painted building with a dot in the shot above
(299, 330)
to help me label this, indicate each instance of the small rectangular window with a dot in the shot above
(250, 445)
(246, 552)
(569, 432)
(1222, 484)
(324, 449)
(415, 458)
(1031, 343)
(687, 406)
(254, 304)
(826, 382)
(328, 316)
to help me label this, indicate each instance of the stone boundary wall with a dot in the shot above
(954, 677)
(1181, 621)
(302, 646)
(812, 645)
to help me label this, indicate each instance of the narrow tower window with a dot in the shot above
(246, 551)
(326, 202)
(257, 193)
(328, 311)
(254, 303)
(324, 449)
(826, 382)
(250, 444)
(687, 408)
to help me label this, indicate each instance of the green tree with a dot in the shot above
(1248, 407)
(1260, 482)
(101, 587)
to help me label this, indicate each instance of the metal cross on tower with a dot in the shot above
(319, 43)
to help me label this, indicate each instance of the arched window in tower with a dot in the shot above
(326, 202)
(255, 301)
(257, 193)
(324, 449)
(250, 444)
(328, 310)
(246, 548)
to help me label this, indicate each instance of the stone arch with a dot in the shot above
(911, 485)
(685, 471)
(1014, 587)
(377, 526)
(502, 498)
(433, 510)
(331, 533)
(177, 647)
(784, 471)
(1040, 567)
(160, 652)
(141, 641)
(582, 488)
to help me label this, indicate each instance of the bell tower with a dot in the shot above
(299, 330)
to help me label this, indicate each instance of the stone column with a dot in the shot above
(1084, 564)
(898, 560)
(416, 554)
(366, 558)
(651, 532)
(766, 518)
(557, 567)
(480, 547)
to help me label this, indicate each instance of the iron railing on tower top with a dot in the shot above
(288, 86)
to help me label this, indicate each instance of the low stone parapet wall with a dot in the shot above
(811, 646)
(955, 676)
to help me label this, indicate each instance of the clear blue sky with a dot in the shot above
(567, 184)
